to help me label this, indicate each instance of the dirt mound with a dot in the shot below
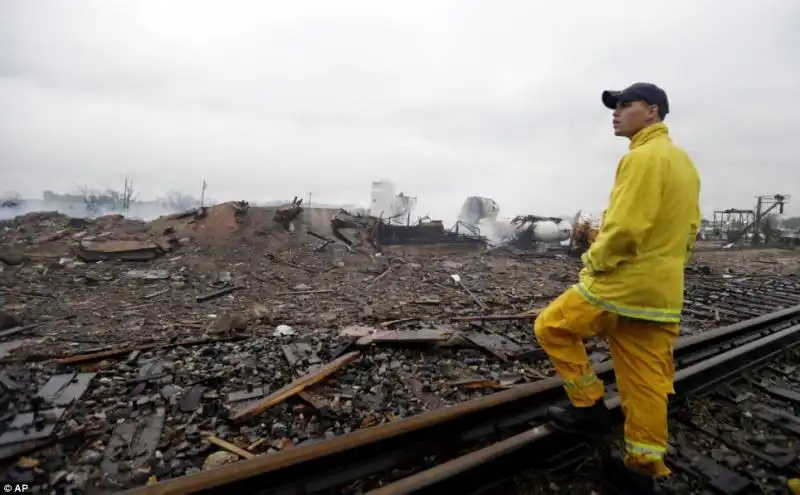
(228, 221)
(217, 222)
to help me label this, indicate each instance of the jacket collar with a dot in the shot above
(649, 133)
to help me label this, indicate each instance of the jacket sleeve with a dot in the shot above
(635, 201)
(692, 240)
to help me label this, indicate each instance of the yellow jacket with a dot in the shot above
(635, 267)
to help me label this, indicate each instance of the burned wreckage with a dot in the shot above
(378, 232)
(388, 223)
(481, 217)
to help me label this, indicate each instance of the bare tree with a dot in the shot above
(128, 194)
(178, 201)
(91, 199)
(109, 200)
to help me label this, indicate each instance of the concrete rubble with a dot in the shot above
(132, 352)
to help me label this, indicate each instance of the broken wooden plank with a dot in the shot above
(155, 294)
(298, 353)
(191, 398)
(357, 331)
(475, 383)
(475, 298)
(293, 388)
(379, 277)
(495, 344)
(519, 316)
(98, 355)
(30, 447)
(15, 330)
(26, 427)
(51, 237)
(304, 292)
(92, 251)
(314, 400)
(274, 258)
(148, 371)
(216, 294)
(422, 336)
(387, 324)
(250, 394)
(62, 390)
(229, 447)
(536, 353)
(132, 441)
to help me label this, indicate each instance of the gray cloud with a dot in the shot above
(451, 98)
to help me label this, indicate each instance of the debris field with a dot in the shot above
(134, 352)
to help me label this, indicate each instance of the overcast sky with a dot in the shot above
(268, 99)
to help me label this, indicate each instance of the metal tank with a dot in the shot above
(550, 231)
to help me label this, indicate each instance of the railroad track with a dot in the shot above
(502, 434)
(725, 301)
(733, 431)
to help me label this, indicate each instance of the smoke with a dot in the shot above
(140, 211)
(498, 232)
(389, 204)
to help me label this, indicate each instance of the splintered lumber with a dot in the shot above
(475, 383)
(230, 447)
(387, 324)
(368, 335)
(102, 354)
(292, 389)
(520, 316)
(130, 250)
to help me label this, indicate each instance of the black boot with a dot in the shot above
(622, 480)
(594, 421)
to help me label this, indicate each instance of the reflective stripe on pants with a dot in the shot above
(643, 364)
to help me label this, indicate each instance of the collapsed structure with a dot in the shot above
(388, 222)
(756, 226)
(286, 214)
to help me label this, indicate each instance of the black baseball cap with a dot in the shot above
(640, 91)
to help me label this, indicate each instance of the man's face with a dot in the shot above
(631, 117)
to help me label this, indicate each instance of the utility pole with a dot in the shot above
(757, 224)
(309, 200)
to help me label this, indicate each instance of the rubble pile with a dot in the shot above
(135, 351)
(746, 263)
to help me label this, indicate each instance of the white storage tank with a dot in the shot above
(383, 194)
(550, 231)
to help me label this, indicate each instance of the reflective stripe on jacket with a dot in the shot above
(635, 266)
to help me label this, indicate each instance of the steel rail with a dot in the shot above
(322, 465)
(697, 377)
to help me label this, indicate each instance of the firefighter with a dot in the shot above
(630, 291)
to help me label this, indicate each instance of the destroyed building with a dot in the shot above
(138, 352)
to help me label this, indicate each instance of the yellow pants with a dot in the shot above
(643, 364)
